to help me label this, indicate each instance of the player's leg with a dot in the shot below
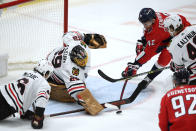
(5, 109)
(59, 92)
(163, 60)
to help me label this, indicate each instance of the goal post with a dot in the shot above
(30, 29)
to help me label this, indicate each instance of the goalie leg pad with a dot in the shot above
(59, 93)
(90, 104)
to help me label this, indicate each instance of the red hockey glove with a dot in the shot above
(130, 70)
(139, 47)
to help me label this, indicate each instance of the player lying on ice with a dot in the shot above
(71, 64)
(154, 41)
(31, 89)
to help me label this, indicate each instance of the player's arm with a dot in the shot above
(93, 40)
(185, 22)
(41, 100)
(163, 115)
(140, 45)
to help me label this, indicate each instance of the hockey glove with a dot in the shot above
(95, 41)
(37, 122)
(28, 115)
(140, 45)
(130, 70)
(174, 67)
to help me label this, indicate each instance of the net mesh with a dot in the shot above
(31, 30)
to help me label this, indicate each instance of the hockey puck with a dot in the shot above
(119, 112)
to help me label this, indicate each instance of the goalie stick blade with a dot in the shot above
(113, 103)
(104, 76)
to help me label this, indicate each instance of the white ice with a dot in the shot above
(117, 20)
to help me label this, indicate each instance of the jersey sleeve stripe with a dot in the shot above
(17, 94)
(16, 107)
(16, 99)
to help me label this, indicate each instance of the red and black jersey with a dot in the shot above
(157, 38)
(178, 109)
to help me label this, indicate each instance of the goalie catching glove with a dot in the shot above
(95, 41)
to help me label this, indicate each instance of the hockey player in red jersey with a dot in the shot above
(154, 41)
(177, 112)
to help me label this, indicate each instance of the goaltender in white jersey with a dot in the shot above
(182, 46)
(30, 88)
(71, 63)
(66, 71)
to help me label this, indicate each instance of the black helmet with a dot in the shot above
(181, 77)
(146, 14)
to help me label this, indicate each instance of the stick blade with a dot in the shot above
(104, 76)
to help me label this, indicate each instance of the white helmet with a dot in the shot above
(44, 67)
(171, 23)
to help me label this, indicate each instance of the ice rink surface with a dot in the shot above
(118, 21)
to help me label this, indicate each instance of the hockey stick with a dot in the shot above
(122, 92)
(115, 103)
(104, 76)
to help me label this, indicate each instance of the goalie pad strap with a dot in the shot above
(89, 102)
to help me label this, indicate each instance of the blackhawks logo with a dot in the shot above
(75, 71)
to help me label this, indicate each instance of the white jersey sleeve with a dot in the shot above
(183, 47)
(72, 36)
(30, 88)
(67, 72)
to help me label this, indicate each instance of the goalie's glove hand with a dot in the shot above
(130, 70)
(38, 118)
(95, 41)
(28, 115)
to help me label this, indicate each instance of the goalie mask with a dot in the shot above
(173, 24)
(79, 56)
(45, 68)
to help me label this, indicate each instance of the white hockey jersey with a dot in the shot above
(183, 49)
(30, 88)
(67, 72)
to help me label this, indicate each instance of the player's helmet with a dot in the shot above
(44, 67)
(173, 23)
(79, 56)
(181, 77)
(146, 14)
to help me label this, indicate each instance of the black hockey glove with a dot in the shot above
(28, 115)
(37, 122)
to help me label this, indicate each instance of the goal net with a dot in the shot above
(30, 29)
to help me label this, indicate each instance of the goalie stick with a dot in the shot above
(106, 77)
(105, 105)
